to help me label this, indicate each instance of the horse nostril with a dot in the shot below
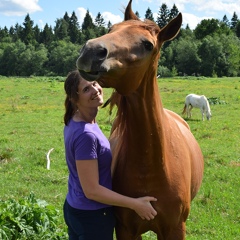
(101, 53)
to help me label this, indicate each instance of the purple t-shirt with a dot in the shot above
(85, 141)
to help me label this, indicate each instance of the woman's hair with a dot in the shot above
(71, 89)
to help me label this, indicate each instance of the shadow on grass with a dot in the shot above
(192, 120)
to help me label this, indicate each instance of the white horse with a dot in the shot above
(199, 101)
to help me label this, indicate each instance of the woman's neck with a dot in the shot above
(85, 116)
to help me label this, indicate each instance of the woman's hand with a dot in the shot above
(144, 208)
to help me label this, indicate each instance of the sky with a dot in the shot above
(48, 11)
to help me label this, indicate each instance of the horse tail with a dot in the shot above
(184, 109)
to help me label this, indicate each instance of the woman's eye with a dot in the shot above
(85, 89)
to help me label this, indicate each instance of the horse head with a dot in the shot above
(127, 53)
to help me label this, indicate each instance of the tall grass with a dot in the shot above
(31, 120)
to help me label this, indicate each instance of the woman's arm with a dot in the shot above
(88, 176)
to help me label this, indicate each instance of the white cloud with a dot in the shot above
(192, 20)
(81, 13)
(41, 24)
(107, 16)
(219, 6)
(19, 7)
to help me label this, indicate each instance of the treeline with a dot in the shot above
(211, 49)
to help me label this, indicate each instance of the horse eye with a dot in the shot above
(148, 45)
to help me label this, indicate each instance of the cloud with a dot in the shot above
(107, 16)
(19, 7)
(81, 13)
(192, 20)
(219, 6)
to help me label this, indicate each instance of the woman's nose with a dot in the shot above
(95, 89)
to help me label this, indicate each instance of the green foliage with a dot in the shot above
(29, 218)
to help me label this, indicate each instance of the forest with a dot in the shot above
(212, 49)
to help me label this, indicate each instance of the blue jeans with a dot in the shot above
(89, 224)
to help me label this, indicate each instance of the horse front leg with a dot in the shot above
(123, 234)
(202, 115)
(178, 233)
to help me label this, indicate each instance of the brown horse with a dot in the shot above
(153, 149)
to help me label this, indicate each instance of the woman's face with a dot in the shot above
(90, 94)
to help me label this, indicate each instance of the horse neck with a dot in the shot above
(142, 119)
(207, 106)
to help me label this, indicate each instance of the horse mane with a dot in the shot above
(120, 120)
(208, 105)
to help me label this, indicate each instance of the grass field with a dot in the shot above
(31, 120)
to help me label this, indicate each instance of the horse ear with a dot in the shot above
(171, 29)
(129, 14)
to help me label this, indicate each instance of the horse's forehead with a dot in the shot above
(135, 27)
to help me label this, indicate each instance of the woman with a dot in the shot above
(88, 206)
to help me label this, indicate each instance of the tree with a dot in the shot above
(109, 25)
(87, 22)
(12, 59)
(206, 27)
(61, 29)
(46, 36)
(66, 18)
(234, 21)
(231, 49)
(74, 28)
(137, 14)
(4, 33)
(36, 32)
(211, 54)
(238, 29)
(99, 20)
(39, 57)
(16, 32)
(187, 59)
(173, 12)
(62, 57)
(149, 15)
(163, 16)
(100, 25)
(226, 21)
(27, 35)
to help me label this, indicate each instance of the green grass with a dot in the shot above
(31, 120)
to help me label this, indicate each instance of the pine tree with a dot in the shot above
(137, 14)
(238, 29)
(16, 32)
(74, 28)
(109, 25)
(4, 33)
(163, 16)
(99, 20)
(234, 21)
(87, 22)
(47, 36)
(149, 15)
(27, 35)
(66, 17)
(37, 31)
(61, 29)
(226, 21)
(173, 12)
